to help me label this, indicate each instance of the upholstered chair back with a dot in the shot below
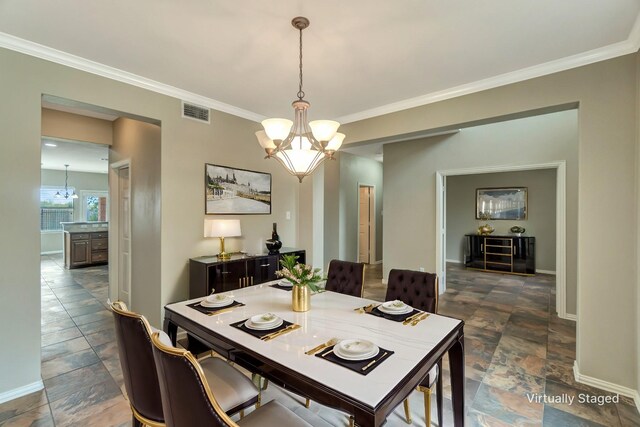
(133, 336)
(345, 277)
(186, 396)
(416, 288)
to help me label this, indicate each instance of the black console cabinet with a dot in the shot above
(501, 254)
(209, 273)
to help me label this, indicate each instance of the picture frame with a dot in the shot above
(506, 203)
(235, 191)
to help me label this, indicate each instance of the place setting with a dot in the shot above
(395, 310)
(283, 284)
(266, 326)
(216, 304)
(359, 355)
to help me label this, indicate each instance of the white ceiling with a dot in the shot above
(361, 57)
(80, 156)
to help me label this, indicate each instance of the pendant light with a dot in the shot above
(66, 189)
(300, 146)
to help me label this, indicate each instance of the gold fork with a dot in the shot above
(314, 350)
(419, 319)
(273, 335)
(412, 317)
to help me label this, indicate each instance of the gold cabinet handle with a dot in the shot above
(251, 280)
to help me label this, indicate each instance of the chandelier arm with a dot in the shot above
(307, 131)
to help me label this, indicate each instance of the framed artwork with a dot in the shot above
(233, 191)
(501, 203)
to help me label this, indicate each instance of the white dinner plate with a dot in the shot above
(249, 324)
(407, 309)
(395, 305)
(264, 319)
(355, 347)
(374, 352)
(286, 283)
(222, 302)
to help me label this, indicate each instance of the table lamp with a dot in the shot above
(222, 228)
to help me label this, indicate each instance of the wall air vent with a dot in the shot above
(195, 112)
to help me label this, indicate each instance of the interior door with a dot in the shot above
(364, 226)
(124, 236)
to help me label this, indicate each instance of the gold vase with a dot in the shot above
(300, 298)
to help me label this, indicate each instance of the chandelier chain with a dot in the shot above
(300, 91)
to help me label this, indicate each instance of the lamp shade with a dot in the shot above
(222, 228)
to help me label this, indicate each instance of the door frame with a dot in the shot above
(561, 223)
(114, 230)
(372, 235)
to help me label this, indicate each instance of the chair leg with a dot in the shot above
(427, 405)
(407, 411)
(266, 384)
(135, 422)
(307, 403)
(241, 413)
(352, 421)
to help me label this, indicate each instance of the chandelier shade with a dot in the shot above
(299, 145)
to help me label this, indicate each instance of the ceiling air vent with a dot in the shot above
(195, 112)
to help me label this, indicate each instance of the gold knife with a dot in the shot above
(374, 361)
(316, 349)
(215, 313)
(412, 317)
(280, 332)
(362, 309)
(419, 319)
(371, 308)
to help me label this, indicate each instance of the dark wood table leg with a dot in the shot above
(456, 366)
(439, 392)
(172, 330)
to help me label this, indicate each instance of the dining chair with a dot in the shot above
(133, 336)
(420, 290)
(346, 277)
(189, 401)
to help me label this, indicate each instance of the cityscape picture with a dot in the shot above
(236, 191)
(501, 203)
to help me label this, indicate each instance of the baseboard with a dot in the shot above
(21, 391)
(454, 261)
(570, 317)
(376, 262)
(553, 273)
(605, 385)
(50, 252)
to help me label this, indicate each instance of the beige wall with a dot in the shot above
(185, 147)
(606, 94)
(139, 143)
(60, 124)
(541, 212)
(51, 241)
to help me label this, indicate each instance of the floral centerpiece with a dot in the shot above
(303, 277)
(299, 274)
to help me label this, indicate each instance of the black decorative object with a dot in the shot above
(274, 244)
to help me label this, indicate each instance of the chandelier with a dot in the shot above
(66, 189)
(300, 146)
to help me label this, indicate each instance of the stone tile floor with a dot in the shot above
(514, 345)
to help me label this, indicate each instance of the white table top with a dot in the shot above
(331, 315)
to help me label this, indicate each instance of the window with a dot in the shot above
(94, 205)
(54, 210)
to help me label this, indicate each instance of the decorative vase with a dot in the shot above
(300, 298)
(274, 244)
(485, 229)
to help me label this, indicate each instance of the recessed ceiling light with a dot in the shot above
(50, 144)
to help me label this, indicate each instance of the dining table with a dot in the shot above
(410, 349)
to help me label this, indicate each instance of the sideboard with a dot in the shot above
(209, 273)
(501, 254)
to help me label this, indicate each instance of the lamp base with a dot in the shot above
(224, 255)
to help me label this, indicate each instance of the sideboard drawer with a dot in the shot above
(97, 244)
(99, 256)
(79, 236)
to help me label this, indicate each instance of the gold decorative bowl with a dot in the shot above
(485, 229)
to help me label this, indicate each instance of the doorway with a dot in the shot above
(122, 199)
(366, 223)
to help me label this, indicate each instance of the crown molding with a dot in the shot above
(37, 50)
(631, 45)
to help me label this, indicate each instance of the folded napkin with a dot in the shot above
(356, 365)
(259, 333)
(284, 288)
(394, 317)
(212, 310)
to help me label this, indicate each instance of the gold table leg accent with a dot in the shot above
(266, 384)
(427, 404)
(407, 411)
(352, 421)
(307, 403)
(241, 413)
